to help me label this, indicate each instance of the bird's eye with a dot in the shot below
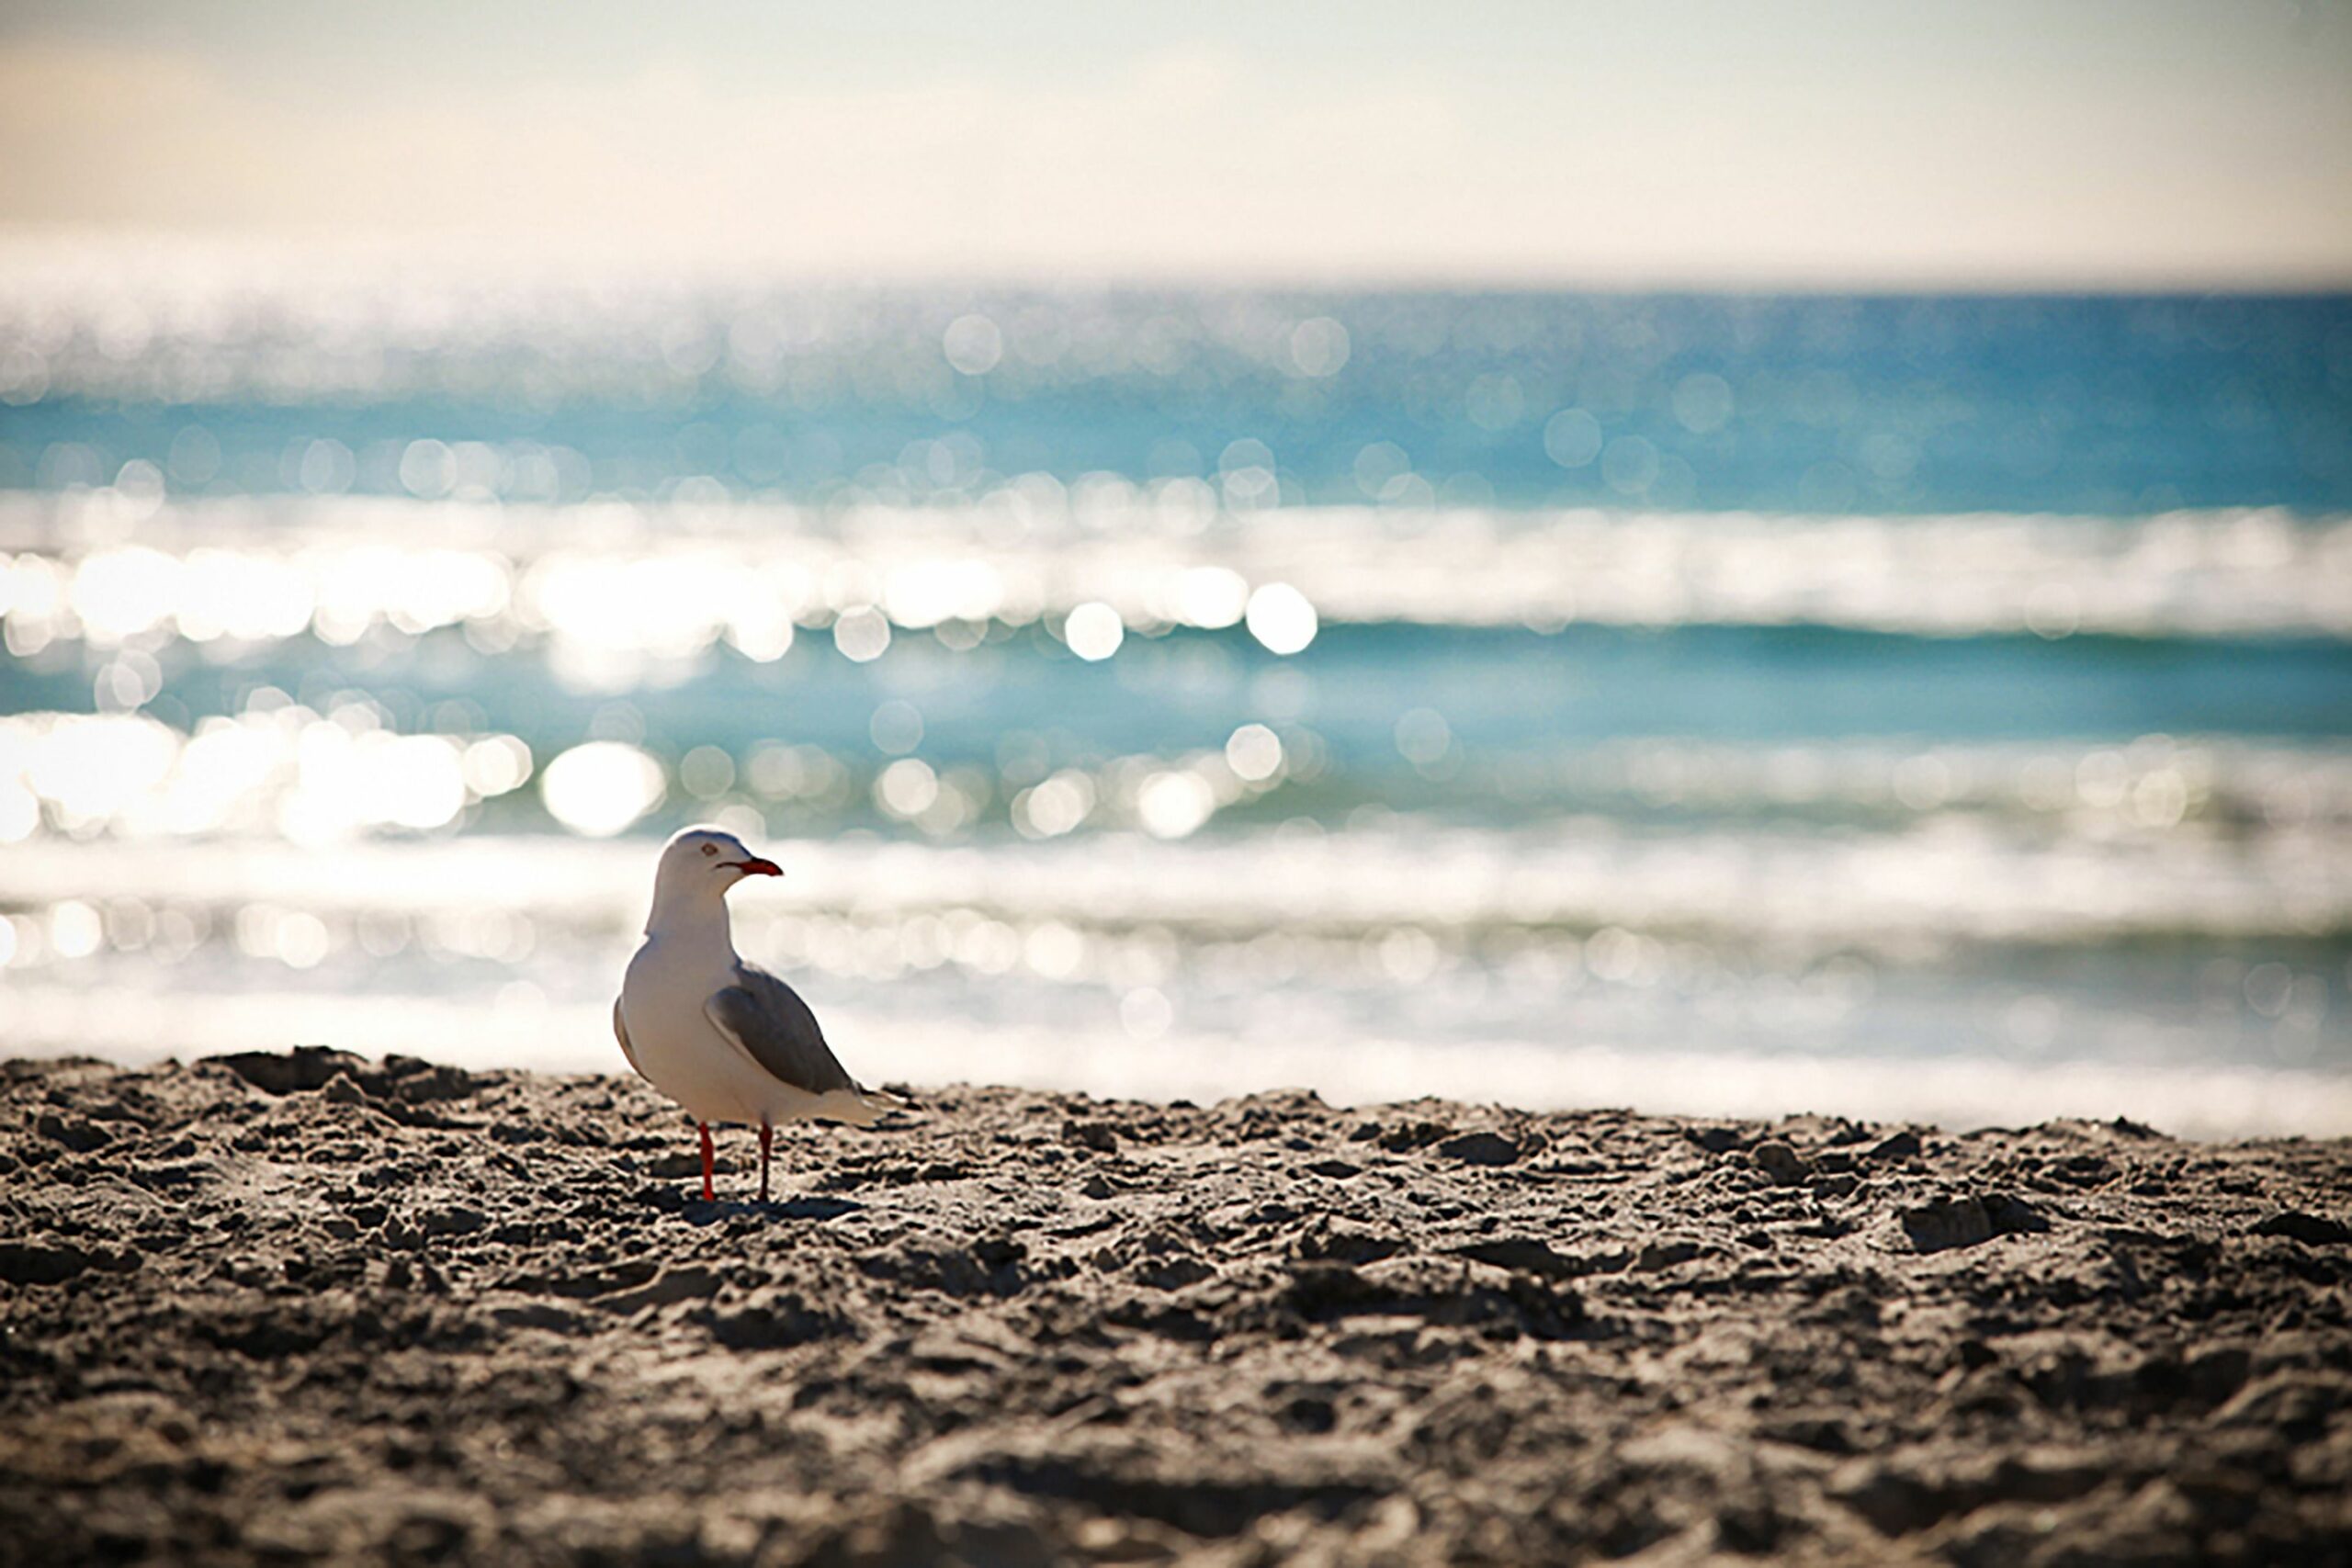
(710, 848)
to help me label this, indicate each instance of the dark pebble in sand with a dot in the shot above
(76, 1135)
(1659, 1255)
(1947, 1223)
(2312, 1230)
(1967, 1220)
(1779, 1161)
(454, 1220)
(1480, 1149)
(1901, 1146)
(303, 1068)
(1324, 1239)
(22, 1264)
(1100, 1137)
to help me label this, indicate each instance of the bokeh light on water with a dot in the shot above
(1711, 703)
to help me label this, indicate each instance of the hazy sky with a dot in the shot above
(1671, 141)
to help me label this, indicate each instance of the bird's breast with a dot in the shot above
(662, 996)
(675, 1044)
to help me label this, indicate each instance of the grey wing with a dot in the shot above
(770, 1022)
(620, 1033)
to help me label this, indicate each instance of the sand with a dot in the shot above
(286, 1308)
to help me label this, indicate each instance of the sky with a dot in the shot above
(2004, 143)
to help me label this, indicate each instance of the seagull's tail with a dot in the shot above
(856, 1106)
(888, 1099)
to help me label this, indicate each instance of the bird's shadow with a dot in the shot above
(694, 1211)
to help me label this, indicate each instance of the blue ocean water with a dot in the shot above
(1926, 706)
(2122, 406)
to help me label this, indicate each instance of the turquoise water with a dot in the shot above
(1915, 706)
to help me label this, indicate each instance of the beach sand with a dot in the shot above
(282, 1308)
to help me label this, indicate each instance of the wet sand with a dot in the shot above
(286, 1308)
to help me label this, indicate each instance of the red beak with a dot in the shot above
(757, 867)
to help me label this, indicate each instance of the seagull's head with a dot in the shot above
(708, 858)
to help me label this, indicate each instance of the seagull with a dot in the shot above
(718, 1034)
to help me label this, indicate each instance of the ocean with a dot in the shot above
(1918, 707)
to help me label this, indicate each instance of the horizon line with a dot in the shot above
(548, 257)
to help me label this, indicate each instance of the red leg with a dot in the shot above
(708, 1196)
(767, 1138)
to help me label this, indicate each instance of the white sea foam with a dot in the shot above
(1936, 887)
(670, 580)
